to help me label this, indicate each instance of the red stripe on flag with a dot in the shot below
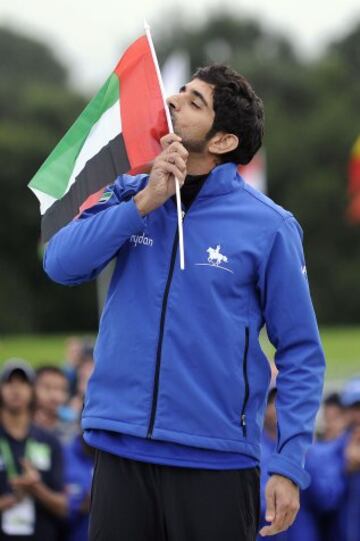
(143, 117)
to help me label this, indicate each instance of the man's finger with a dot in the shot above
(270, 505)
(292, 513)
(172, 169)
(176, 148)
(278, 525)
(168, 139)
(177, 160)
(285, 517)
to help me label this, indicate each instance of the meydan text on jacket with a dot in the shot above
(177, 356)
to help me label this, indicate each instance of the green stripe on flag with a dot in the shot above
(54, 174)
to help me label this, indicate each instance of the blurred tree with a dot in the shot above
(36, 108)
(312, 119)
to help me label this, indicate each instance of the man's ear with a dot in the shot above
(222, 143)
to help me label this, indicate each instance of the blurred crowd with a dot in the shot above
(45, 465)
(46, 468)
(330, 506)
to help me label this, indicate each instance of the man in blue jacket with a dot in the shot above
(176, 402)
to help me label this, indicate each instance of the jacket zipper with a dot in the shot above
(246, 382)
(161, 335)
(162, 325)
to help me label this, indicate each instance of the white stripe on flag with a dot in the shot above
(104, 130)
(45, 199)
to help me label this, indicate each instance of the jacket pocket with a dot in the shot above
(243, 422)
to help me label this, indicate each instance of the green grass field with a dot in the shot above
(342, 349)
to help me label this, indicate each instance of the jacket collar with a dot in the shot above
(221, 180)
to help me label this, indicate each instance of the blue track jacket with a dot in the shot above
(177, 357)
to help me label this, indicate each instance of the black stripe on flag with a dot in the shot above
(101, 170)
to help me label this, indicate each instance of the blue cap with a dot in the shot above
(351, 392)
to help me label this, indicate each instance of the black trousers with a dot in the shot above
(136, 501)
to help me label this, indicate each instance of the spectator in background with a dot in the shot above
(319, 500)
(348, 461)
(79, 458)
(79, 463)
(334, 417)
(32, 499)
(74, 347)
(83, 374)
(52, 396)
(330, 508)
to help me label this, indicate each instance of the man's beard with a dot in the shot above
(195, 146)
(191, 145)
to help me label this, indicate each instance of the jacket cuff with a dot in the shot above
(282, 465)
(135, 220)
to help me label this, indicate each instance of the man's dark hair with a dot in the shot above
(238, 110)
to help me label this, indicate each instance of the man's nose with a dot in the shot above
(173, 103)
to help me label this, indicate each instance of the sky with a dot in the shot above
(89, 37)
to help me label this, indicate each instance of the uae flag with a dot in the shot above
(118, 132)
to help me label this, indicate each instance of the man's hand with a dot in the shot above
(170, 163)
(282, 504)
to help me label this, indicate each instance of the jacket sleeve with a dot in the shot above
(292, 329)
(80, 250)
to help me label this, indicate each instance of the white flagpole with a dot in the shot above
(171, 130)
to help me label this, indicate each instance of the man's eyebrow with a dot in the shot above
(196, 93)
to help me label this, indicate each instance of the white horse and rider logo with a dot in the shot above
(216, 258)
